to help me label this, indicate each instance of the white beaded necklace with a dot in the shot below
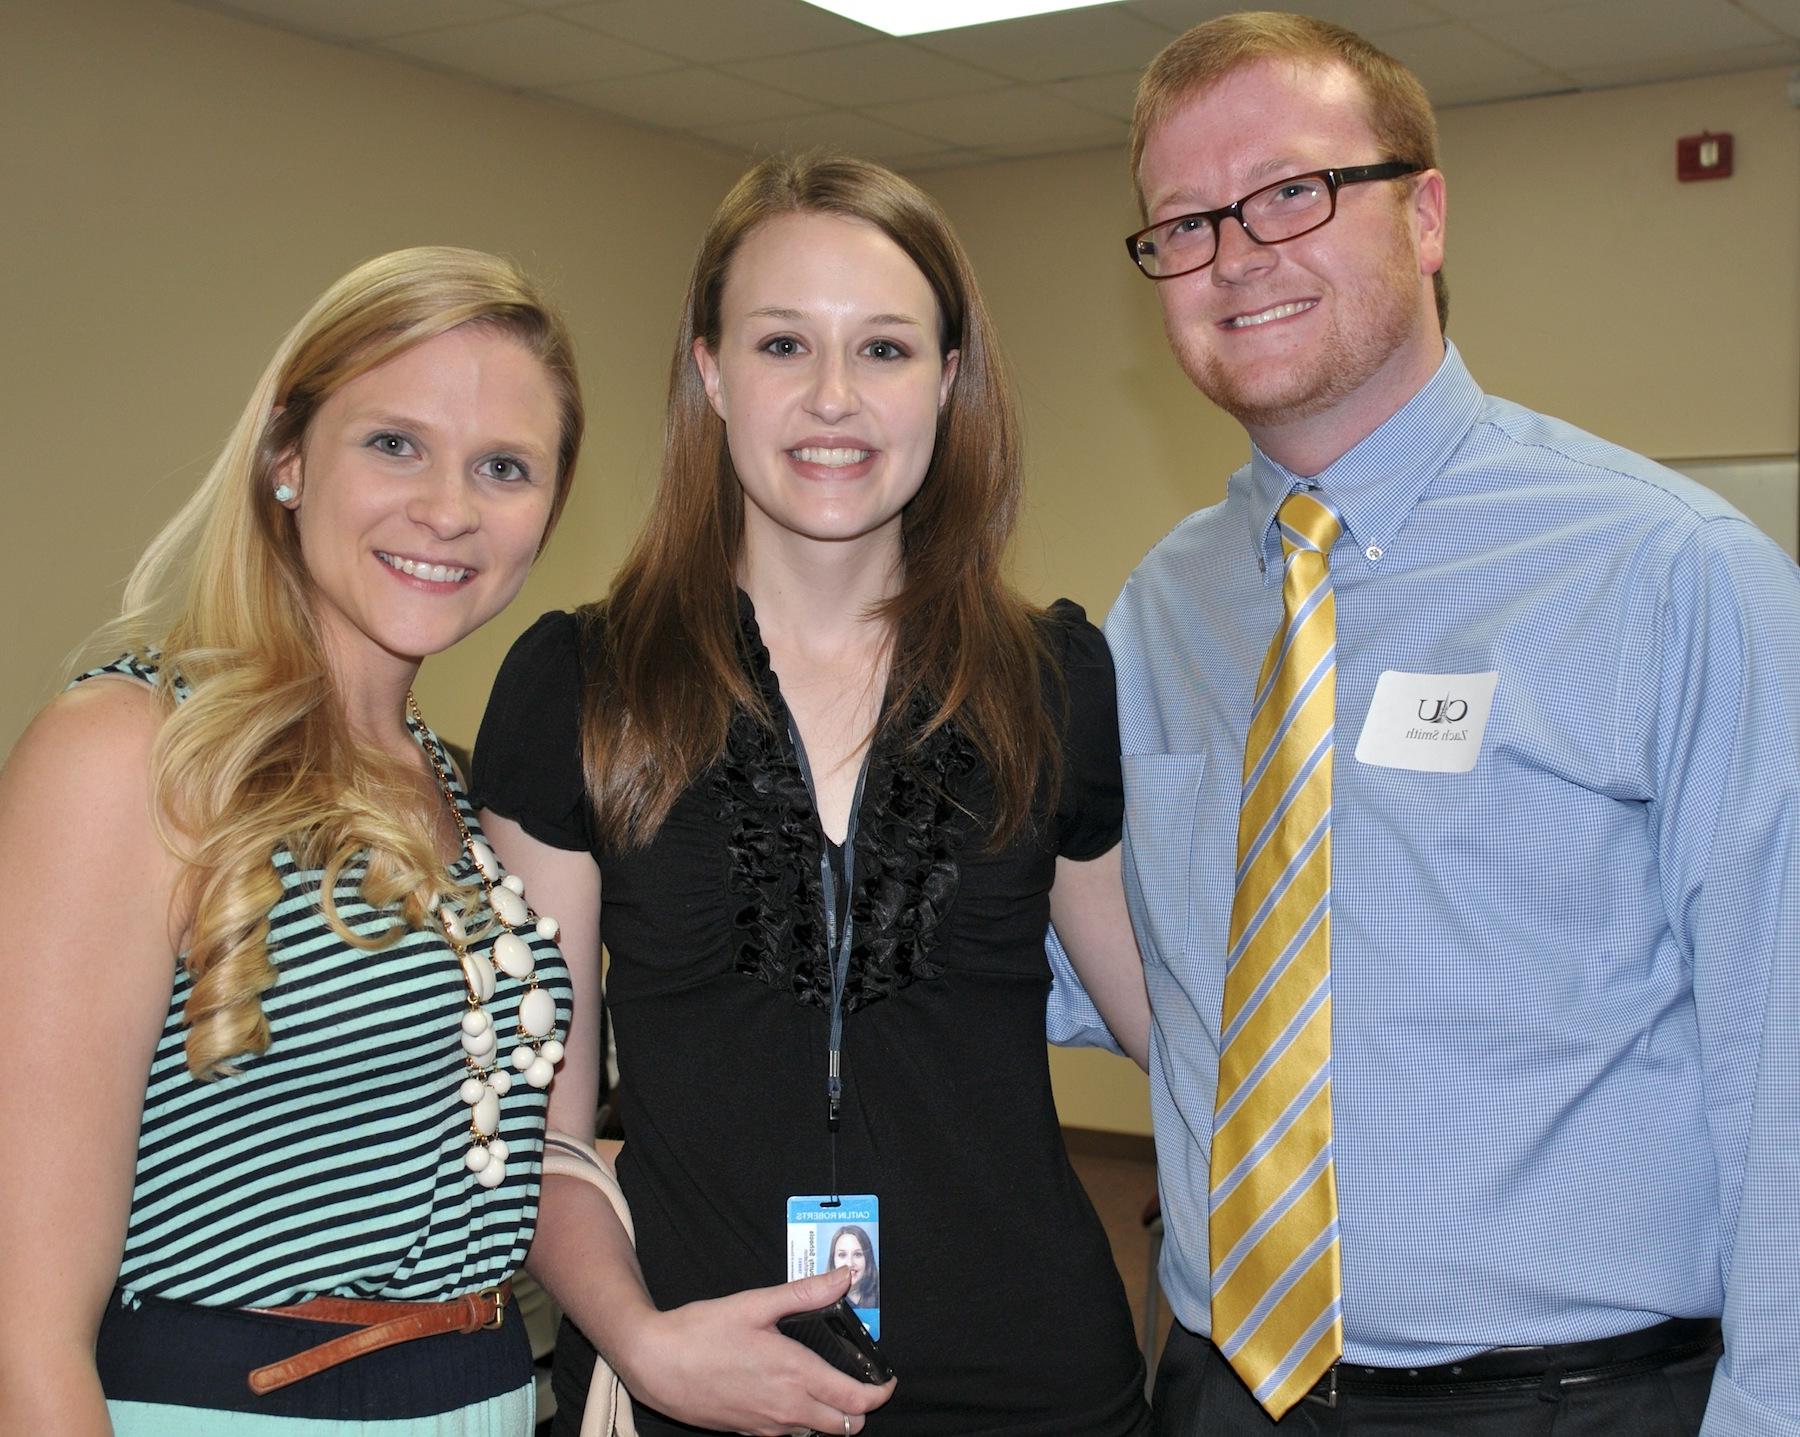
(538, 1050)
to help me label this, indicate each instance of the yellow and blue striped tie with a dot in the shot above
(1274, 1232)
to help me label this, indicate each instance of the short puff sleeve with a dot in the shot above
(527, 764)
(1090, 805)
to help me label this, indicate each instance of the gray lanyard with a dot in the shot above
(837, 941)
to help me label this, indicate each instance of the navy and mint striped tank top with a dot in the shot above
(333, 1163)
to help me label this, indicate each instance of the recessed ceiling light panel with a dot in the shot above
(919, 17)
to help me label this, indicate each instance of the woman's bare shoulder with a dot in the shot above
(90, 736)
(75, 793)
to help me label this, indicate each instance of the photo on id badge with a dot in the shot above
(823, 1233)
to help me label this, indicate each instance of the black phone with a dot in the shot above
(836, 1333)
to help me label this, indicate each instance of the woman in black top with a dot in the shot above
(820, 780)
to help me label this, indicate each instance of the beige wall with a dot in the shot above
(1588, 282)
(1585, 281)
(179, 185)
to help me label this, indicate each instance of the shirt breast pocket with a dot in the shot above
(1162, 807)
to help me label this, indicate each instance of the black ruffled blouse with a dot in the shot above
(1002, 1311)
(910, 831)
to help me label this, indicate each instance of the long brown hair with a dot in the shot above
(260, 755)
(672, 675)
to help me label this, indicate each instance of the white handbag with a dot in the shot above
(608, 1411)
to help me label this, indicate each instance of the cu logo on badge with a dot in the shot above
(1444, 710)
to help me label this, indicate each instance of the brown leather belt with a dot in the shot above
(379, 1324)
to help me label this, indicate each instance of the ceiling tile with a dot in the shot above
(1175, 16)
(712, 30)
(1460, 67)
(1366, 17)
(885, 70)
(1055, 47)
(1113, 94)
(944, 160)
(1620, 32)
(762, 74)
(686, 99)
(1646, 72)
(833, 130)
(1038, 147)
(1494, 9)
(359, 19)
(530, 52)
(1004, 117)
(1784, 15)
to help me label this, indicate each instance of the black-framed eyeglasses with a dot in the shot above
(1274, 214)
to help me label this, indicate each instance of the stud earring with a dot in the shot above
(284, 493)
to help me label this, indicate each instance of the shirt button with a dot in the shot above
(1373, 553)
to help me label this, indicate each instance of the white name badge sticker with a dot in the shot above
(1430, 723)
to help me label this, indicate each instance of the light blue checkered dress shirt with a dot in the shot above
(1566, 983)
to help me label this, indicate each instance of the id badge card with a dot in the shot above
(823, 1234)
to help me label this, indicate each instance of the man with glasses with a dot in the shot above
(1462, 761)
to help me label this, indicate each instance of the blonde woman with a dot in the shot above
(292, 1162)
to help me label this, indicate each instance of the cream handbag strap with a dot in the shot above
(608, 1411)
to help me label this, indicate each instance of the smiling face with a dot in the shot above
(1312, 343)
(829, 379)
(847, 1252)
(423, 488)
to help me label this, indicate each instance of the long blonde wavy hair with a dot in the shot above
(259, 756)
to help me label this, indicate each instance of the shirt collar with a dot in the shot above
(1376, 485)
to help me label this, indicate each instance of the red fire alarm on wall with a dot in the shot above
(1704, 156)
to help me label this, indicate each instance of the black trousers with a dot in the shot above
(1198, 1395)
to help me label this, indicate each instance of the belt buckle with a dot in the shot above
(1328, 1397)
(499, 1300)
